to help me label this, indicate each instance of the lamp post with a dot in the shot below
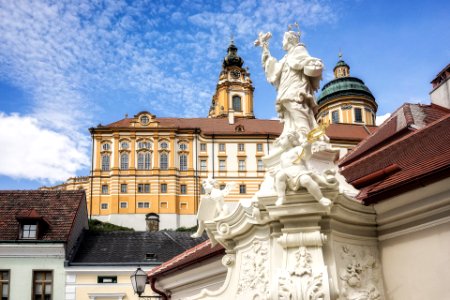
(138, 281)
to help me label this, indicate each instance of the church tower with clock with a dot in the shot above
(234, 91)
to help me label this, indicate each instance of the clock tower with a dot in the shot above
(234, 91)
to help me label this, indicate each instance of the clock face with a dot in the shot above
(235, 74)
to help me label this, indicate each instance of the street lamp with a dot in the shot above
(138, 281)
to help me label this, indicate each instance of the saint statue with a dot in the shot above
(296, 77)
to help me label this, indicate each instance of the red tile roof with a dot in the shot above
(403, 162)
(220, 126)
(57, 208)
(191, 256)
(408, 118)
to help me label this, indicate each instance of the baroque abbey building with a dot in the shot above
(147, 170)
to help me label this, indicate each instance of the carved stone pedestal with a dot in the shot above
(299, 250)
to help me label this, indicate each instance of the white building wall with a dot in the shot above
(416, 266)
(21, 260)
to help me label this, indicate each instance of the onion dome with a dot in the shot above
(232, 58)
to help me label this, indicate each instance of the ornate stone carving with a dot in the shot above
(310, 285)
(254, 281)
(359, 276)
(211, 204)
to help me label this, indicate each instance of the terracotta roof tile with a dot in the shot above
(195, 254)
(420, 154)
(220, 126)
(57, 208)
(403, 121)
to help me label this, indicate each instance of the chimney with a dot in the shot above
(440, 93)
(231, 117)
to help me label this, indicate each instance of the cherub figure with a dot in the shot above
(211, 204)
(295, 172)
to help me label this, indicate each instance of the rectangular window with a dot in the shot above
(203, 165)
(104, 189)
(4, 284)
(123, 188)
(203, 147)
(260, 165)
(358, 115)
(107, 279)
(183, 189)
(241, 165)
(183, 205)
(222, 165)
(123, 204)
(143, 188)
(183, 162)
(143, 204)
(242, 189)
(221, 147)
(259, 147)
(241, 147)
(104, 205)
(164, 204)
(335, 117)
(28, 231)
(42, 285)
(163, 187)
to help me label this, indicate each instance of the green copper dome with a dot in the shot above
(344, 86)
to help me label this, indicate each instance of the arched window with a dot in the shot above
(237, 103)
(183, 162)
(163, 161)
(105, 162)
(144, 161)
(124, 161)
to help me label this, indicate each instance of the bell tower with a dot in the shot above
(234, 90)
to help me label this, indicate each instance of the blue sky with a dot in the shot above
(66, 66)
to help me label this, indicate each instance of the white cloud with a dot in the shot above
(74, 57)
(33, 152)
(380, 119)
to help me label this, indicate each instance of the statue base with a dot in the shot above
(298, 250)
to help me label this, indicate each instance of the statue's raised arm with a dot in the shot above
(296, 77)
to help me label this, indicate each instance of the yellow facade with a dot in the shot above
(221, 145)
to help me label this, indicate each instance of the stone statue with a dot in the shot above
(211, 204)
(296, 76)
(294, 171)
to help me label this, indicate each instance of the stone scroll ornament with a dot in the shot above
(211, 204)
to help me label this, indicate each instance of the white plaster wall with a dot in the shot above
(21, 275)
(416, 266)
(441, 95)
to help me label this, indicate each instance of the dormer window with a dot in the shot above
(28, 231)
(32, 226)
